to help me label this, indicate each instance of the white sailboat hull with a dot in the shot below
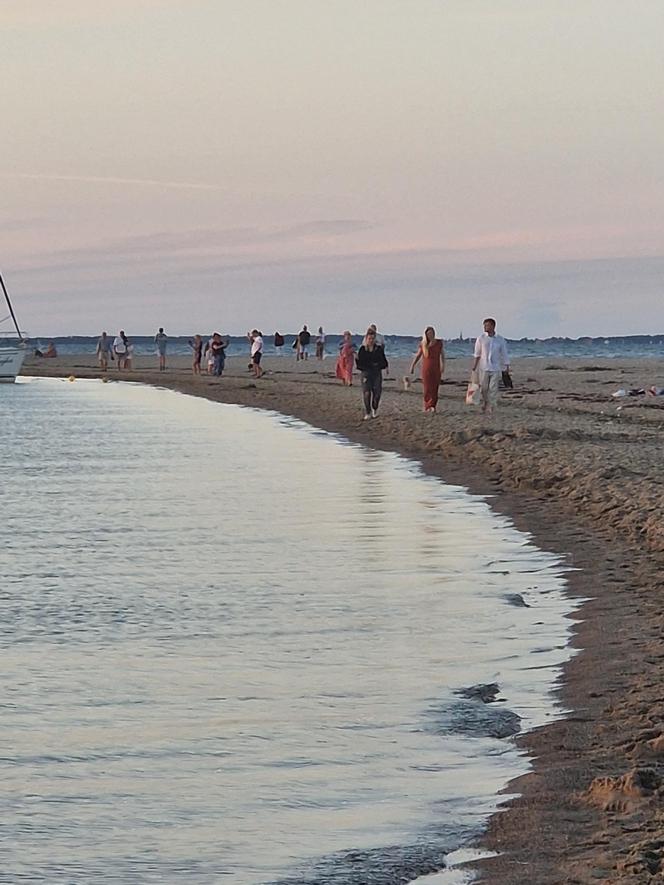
(11, 360)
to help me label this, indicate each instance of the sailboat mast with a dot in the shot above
(11, 309)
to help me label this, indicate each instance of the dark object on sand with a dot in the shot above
(507, 381)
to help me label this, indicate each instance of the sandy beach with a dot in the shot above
(582, 471)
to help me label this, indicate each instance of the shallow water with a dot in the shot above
(231, 643)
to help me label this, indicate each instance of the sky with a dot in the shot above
(199, 164)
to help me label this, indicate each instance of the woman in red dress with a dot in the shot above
(346, 360)
(432, 354)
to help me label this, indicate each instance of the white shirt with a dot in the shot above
(119, 345)
(492, 351)
(256, 345)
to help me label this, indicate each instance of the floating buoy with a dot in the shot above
(71, 378)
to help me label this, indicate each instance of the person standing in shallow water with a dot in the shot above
(371, 362)
(161, 342)
(432, 354)
(491, 358)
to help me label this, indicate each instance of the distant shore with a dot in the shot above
(584, 473)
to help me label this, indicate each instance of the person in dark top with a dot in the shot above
(371, 361)
(218, 348)
(279, 342)
(304, 338)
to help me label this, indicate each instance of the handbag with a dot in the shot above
(473, 391)
(507, 381)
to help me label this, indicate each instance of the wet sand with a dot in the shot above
(583, 472)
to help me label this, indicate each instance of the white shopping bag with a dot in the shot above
(473, 390)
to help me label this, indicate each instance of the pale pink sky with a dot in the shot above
(199, 163)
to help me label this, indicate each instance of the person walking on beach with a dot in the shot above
(104, 351)
(380, 340)
(129, 361)
(278, 343)
(197, 353)
(161, 342)
(320, 344)
(346, 360)
(256, 352)
(304, 338)
(120, 350)
(491, 358)
(371, 362)
(432, 354)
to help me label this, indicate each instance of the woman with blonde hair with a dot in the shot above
(432, 354)
(346, 360)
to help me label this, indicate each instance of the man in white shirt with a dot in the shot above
(257, 352)
(491, 358)
(120, 350)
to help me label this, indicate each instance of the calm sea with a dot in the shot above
(232, 646)
(630, 347)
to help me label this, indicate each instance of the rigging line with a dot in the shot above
(11, 309)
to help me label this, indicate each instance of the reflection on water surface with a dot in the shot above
(224, 636)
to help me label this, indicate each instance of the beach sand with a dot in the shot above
(583, 472)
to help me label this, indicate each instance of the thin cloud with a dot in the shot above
(198, 244)
(37, 12)
(102, 179)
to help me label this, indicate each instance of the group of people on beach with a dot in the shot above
(490, 361)
(301, 344)
(120, 350)
(213, 351)
(490, 364)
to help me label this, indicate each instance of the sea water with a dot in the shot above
(404, 346)
(232, 646)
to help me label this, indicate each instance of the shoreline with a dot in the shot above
(578, 472)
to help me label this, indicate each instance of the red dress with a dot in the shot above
(431, 374)
(345, 363)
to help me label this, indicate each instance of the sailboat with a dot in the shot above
(13, 345)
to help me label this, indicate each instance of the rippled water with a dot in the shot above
(231, 643)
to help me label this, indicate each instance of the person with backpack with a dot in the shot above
(305, 339)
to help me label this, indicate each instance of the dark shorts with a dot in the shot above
(256, 358)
